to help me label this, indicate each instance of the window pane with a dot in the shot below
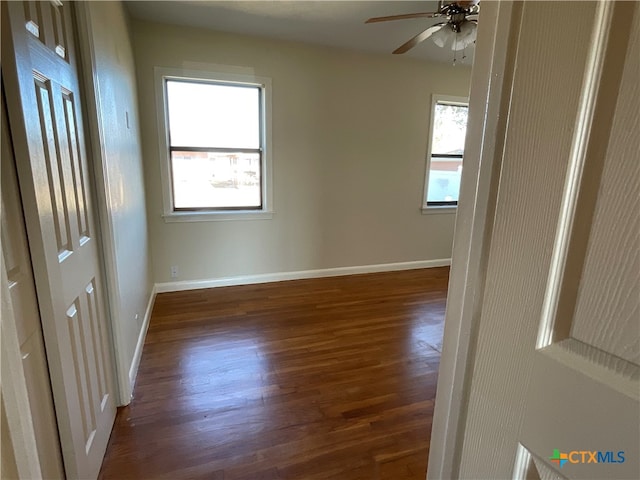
(449, 129)
(213, 116)
(444, 179)
(216, 180)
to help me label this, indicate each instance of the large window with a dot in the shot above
(446, 151)
(215, 143)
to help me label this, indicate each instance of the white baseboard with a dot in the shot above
(137, 354)
(299, 275)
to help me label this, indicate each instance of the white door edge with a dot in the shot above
(473, 223)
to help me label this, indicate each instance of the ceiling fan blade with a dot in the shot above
(418, 38)
(401, 17)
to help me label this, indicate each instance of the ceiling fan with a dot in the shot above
(459, 29)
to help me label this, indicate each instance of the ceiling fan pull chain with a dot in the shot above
(455, 49)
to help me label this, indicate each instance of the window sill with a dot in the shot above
(237, 215)
(438, 210)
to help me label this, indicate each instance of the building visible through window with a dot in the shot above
(215, 137)
(448, 131)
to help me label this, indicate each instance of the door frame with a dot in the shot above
(94, 132)
(489, 99)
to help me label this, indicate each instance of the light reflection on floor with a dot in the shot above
(223, 367)
(427, 329)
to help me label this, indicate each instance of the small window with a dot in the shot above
(216, 145)
(446, 151)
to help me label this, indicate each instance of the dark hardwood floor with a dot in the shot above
(330, 378)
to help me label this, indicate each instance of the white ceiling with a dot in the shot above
(331, 23)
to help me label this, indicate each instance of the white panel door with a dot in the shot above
(17, 261)
(43, 99)
(555, 386)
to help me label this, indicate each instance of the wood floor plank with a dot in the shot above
(330, 378)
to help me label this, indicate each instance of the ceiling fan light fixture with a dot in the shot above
(457, 31)
(447, 37)
(466, 36)
(443, 36)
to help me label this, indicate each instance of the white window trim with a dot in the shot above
(437, 209)
(225, 74)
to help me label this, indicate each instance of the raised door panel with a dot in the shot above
(47, 21)
(36, 375)
(607, 310)
(14, 246)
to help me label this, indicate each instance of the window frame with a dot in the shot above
(223, 76)
(439, 207)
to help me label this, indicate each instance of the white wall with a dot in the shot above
(349, 139)
(125, 228)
